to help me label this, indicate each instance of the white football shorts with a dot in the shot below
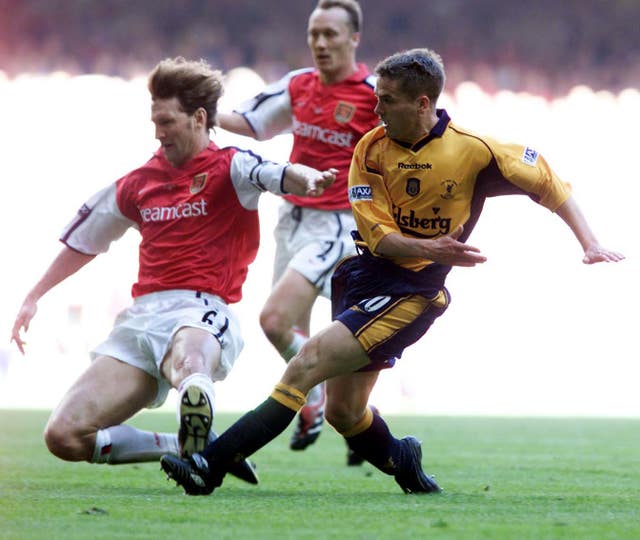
(312, 242)
(143, 332)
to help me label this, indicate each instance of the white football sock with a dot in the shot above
(126, 444)
(296, 344)
(315, 396)
(203, 382)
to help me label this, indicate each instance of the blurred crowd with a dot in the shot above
(544, 47)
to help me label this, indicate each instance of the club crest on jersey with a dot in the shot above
(529, 156)
(344, 112)
(198, 182)
(448, 187)
(413, 187)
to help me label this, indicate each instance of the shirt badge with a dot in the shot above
(529, 156)
(413, 186)
(448, 187)
(198, 182)
(344, 112)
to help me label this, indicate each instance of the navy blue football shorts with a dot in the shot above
(385, 315)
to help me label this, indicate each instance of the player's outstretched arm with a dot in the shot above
(571, 214)
(67, 262)
(444, 250)
(307, 181)
(235, 123)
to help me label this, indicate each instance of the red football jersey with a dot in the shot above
(326, 120)
(199, 223)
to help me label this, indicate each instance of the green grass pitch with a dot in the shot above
(503, 478)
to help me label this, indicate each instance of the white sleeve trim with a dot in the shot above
(252, 176)
(269, 113)
(98, 223)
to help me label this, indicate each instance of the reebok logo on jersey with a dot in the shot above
(360, 193)
(529, 156)
(179, 211)
(415, 166)
(328, 136)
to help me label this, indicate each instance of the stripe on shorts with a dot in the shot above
(391, 320)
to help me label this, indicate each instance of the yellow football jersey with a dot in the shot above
(428, 189)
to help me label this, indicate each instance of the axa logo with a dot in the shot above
(427, 226)
(360, 193)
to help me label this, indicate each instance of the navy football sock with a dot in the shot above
(378, 446)
(248, 434)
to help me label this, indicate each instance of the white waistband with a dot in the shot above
(175, 293)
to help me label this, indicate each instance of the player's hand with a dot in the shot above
(596, 254)
(26, 313)
(447, 250)
(316, 184)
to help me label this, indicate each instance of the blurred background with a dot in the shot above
(544, 46)
(531, 332)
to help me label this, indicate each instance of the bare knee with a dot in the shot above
(274, 325)
(304, 370)
(68, 442)
(189, 363)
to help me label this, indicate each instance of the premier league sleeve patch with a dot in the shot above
(529, 156)
(360, 193)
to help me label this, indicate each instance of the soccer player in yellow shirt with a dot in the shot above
(417, 185)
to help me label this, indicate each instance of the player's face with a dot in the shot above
(332, 43)
(180, 135)
(398, 112)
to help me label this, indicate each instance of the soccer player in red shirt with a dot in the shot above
(195, 206)
(328, 108)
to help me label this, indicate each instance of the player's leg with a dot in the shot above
(193, 361)
(331, 352)
(193, 356)
(86, 424)
(286, 314)
(309, 245)
(384, 326)
(278, 322)
(344, 414)
(368, 435)
(285, 319)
